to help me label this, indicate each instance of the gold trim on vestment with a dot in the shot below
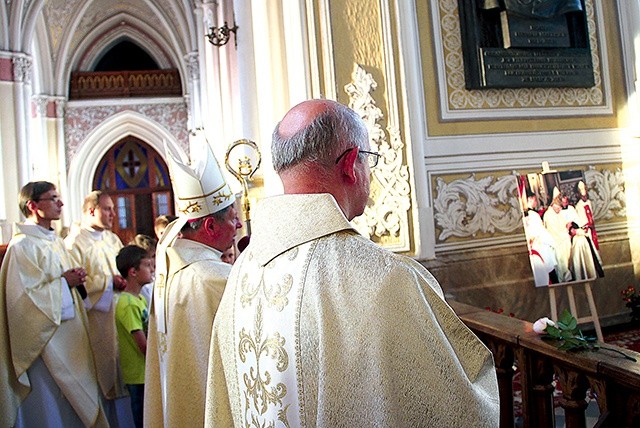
(203, 196)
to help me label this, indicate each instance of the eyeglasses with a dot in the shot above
(372, 157)
(54, 199)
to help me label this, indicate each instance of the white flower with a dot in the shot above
(540, 325)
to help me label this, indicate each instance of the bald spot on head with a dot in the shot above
(302, 115)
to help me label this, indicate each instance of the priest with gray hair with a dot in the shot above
(319, 326)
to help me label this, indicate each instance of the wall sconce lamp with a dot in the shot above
(219, 36)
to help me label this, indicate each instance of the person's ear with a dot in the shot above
(349, 165)
(132, 271)
(210, 226)
(32, 206)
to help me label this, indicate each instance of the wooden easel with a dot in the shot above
(593, 317)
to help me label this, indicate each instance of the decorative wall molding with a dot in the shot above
(41, 103)
(467, 207)
(390, 188)
(487, 207)
(458, 102)
(48, 106)
(80, 121)
(607, 193)
(61, 105)
(22, 65)
(193, 66)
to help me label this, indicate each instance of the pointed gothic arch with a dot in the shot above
(124, 54)
(137, 179)
(86, 160)
(109, 33)
(165, 46)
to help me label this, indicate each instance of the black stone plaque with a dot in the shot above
(503, 49)
(518, 32)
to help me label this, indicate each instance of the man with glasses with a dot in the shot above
(47, 375)
(93, 246)
(319, 326)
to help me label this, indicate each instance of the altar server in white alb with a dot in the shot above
(94, 246)
(47, 374)
(190, 279)
(319, 326)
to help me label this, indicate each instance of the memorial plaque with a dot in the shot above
(535, 68)
(525, 44)
(520, 32)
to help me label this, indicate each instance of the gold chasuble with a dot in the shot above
(320, 327)
(33, 326)
(177, 353)
(96, 251)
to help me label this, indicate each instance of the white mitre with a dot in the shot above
(582, 188)
(199, 187)
(200, 190)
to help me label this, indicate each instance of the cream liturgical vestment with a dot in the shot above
(43, 321)
(319, 326)
(556, 224)
(96, 251)
(176, 369)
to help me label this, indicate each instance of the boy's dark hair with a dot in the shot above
(130, 257)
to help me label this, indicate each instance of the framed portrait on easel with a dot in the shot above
(559, 227)
(561, 236)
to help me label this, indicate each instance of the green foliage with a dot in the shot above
(569, 337)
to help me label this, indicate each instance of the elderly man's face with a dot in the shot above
(227, 228)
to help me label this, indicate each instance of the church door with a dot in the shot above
(137, 179)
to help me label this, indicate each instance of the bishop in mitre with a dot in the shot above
(190, 280)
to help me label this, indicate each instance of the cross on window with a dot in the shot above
(131, 163)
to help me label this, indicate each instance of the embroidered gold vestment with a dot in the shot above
(319, 326)
(176, 366)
